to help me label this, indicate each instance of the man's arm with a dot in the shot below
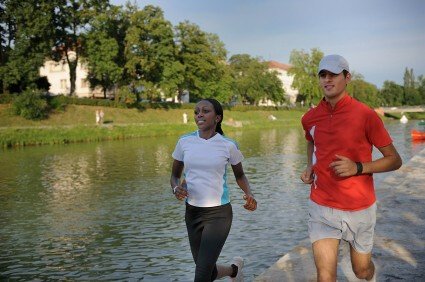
(390, 160)
(307, 175)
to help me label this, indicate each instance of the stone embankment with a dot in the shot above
(399, 250)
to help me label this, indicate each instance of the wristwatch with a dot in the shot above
(359, 168)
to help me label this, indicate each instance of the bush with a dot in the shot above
(62, 100)
(30, 104)
(6, 98)
(57, 103)
(125, 97)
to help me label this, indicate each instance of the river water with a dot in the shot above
(104, 211)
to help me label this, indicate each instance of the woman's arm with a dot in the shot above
(242, 181)
(176, 173)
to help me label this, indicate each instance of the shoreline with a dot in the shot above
(399, 244)
(77, 124)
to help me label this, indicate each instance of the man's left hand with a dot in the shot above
(343, 166)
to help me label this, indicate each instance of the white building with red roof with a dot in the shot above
(282, 70)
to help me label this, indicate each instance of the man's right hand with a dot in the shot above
(307, 176)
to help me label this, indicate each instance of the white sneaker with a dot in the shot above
(238, 261)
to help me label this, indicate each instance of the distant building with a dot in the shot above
(57, 74)
(286, 79)
(184, 97)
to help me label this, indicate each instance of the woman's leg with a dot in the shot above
(224, 270)
(207, 235)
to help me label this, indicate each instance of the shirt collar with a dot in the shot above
(341, 103)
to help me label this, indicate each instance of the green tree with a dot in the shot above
(203, 58)
(246, 72)
(104, 52)
(150, 50)
(220, 86)
(304, 69)
(252, 81)
(363, 91)
(392, 94)
(5, 41)
(409, 78)
(273, 87)
(412, 95)
(26, 34)
(421, 89)
(71, 20)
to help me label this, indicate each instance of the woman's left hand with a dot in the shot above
(251, 203)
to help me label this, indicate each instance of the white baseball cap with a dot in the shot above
(333, 63)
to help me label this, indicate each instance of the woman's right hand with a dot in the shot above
(251, 203)
(181, 191)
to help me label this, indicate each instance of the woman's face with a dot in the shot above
(205, 116)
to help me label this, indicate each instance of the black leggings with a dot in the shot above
(208, 229)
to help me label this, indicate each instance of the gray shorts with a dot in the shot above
(355, 227)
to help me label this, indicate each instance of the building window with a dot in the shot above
(63, 83)
(56, 67)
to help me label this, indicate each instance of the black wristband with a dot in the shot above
(359, 168)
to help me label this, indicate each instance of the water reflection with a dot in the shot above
(104, 211)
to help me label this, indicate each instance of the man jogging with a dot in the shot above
(340, 133)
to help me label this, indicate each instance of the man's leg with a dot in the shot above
(362, 264)
(361, 224)
(326, 258)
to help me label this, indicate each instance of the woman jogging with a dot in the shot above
(204, 156)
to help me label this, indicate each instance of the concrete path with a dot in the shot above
(399, 250)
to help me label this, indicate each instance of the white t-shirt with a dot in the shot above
(205, 167)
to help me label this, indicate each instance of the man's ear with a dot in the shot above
(348, 77)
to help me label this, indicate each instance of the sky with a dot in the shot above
(379, 38)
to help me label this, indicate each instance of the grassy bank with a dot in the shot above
(77, 124)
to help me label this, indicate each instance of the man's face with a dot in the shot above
(333, 85)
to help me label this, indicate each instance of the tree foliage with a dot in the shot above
(252, 80)
(421, 89)
(139, 50)
(363, 91)
(71, 20)
(304, 69)
(150, 49)
(409, 78)
(26, 34)
(412, 92)
(104, 52)
(412, 95)
(392, 94)
(203, 58)
(30, 105)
